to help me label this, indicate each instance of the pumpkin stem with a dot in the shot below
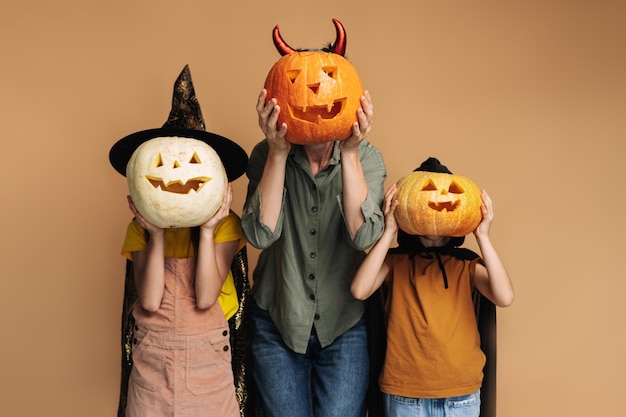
(339, 47)
(281, 45)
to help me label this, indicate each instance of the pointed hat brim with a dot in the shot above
(234, 158)
(185, 120)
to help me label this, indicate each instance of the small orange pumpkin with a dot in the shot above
(319, 92)
(438, 204)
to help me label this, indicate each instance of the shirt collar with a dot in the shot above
(298, 153)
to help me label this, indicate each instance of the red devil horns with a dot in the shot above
(339, 47)
(281, 45)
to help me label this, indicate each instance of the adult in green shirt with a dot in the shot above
(313, 210)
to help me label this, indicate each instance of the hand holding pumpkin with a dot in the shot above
(268, 120)
(363, 125)
(487, 212)
(150, 228)
(222, 212)
(389, 209)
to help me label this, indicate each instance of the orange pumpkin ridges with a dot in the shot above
(438, 204)
(319, 92)
(320, 103)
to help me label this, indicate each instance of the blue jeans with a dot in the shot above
(323, 382)
(463, 406)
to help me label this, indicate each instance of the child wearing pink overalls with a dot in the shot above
(181, 350)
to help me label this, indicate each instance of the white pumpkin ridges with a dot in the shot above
(176, 160)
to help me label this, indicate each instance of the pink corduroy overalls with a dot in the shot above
(181, 354)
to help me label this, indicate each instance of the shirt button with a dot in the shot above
(312, 232)
(311, 276)
(314, 209)
(135, 341)
(225, 348)
(312, 296)
(314, 187)
(312, 255)
(225, 332)
(316, 317)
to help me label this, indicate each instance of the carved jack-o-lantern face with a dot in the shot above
(318, 93)
(176, 181)
(438, 204)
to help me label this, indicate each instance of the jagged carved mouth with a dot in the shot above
(444, 205)
(178, 186)
(314, 114)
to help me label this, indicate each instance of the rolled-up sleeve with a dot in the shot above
(375, 173)
(257, 233)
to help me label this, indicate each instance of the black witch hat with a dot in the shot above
(185, 120)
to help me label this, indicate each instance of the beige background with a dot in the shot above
(528, 98)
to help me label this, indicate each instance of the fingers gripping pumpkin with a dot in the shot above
(318, 91)
(437, 203)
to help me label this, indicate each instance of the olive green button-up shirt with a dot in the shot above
(307, 263)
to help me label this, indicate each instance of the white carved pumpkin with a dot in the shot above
(176, 181)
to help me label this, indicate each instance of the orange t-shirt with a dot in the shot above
(433, 344)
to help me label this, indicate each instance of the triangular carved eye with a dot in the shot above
(176, 165)
(159, 161)
(314, 87)
(429, 186)
(195, 159)
(293, 74)
(455, 188)
(330, 71)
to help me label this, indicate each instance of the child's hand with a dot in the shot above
(389, 209)
(152, 229)
(222, 212)
(487, 211)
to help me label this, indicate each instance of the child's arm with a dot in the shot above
(373, 270)
(492, 279)
(214, 260)
(149, 265)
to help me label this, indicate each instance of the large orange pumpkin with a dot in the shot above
(438, 204)
(318, 91)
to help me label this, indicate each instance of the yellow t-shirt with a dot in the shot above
(178, 245)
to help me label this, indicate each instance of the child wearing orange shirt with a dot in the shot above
(433, 359)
